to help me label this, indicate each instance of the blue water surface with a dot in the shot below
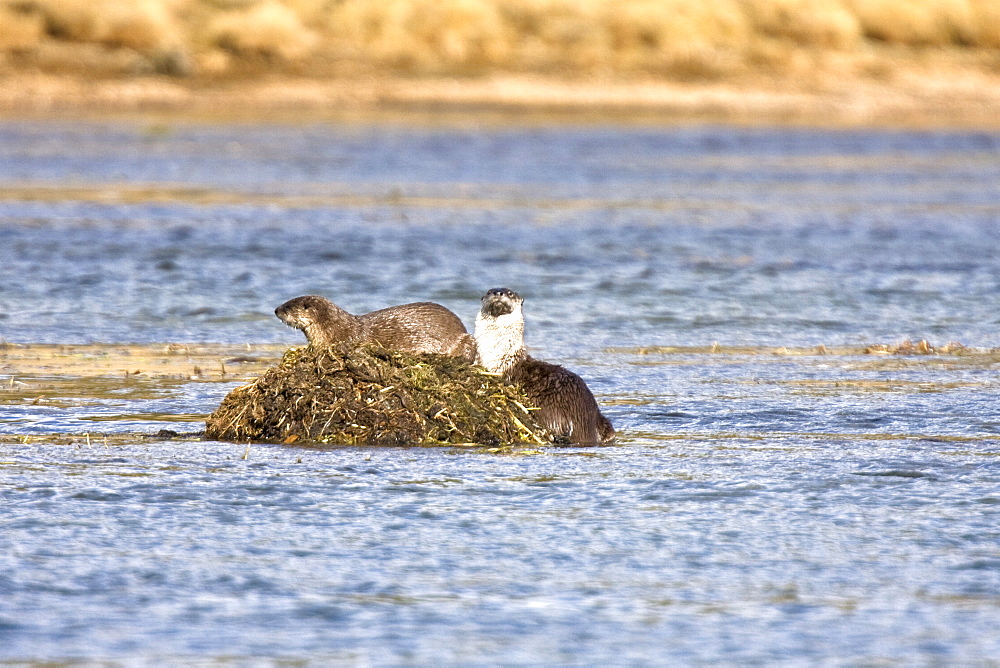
(761, 506)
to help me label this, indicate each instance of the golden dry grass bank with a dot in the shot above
(843, 62)
(676, 38)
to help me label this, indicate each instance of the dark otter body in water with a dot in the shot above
(565, 404)
(422, 327)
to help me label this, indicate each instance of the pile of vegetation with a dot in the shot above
(371, 396)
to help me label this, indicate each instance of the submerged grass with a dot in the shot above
(33, 363)
(371, 396)
(807, 437)
(905, 347)
(68, 391)
(839, 387)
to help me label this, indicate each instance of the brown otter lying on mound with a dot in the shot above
(421, 327)
(565, 404)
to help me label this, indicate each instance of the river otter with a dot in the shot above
(422, 327)
(565, 404)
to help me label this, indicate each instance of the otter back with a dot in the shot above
(565, 403)
(421, 327)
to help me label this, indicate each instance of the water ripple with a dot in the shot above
(776, 495)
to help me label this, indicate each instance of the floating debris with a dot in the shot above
(370, 396)
(921, 347)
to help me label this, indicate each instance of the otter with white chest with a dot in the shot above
(565, 404)
(421, 327)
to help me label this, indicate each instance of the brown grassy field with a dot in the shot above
(859, 60)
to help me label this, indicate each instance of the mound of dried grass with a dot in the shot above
(372, 396)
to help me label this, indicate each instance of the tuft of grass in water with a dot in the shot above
(921, 347)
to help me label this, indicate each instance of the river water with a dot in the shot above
(775, 496)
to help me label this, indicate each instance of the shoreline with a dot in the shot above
(966, 98)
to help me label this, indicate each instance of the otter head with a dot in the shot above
(501, 301)
(500, 330)
(323, 322)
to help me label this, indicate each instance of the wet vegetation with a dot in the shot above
(66, 392)
(375, 397)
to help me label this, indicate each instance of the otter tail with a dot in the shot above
(605, 430)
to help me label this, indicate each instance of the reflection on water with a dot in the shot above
(766, 502)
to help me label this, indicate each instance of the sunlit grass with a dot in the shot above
(675, 37)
